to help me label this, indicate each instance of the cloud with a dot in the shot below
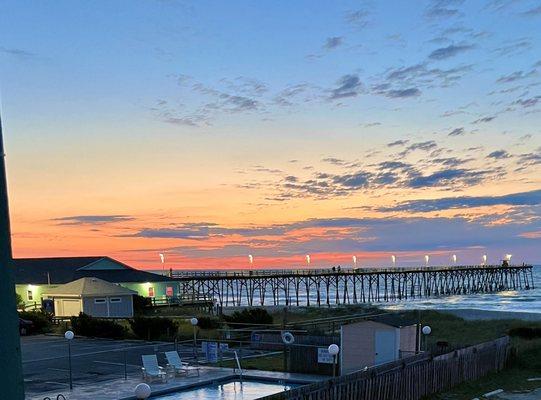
(403, 93)
(499, 155)
(18, 53)
(333, 42)
(530, 102)
(531, 198)
(398, 143)
(532, 12)
(449, 51)
(358, 18)
(442, 9)
(515, 76)
(91, 219)
(348, 86)
(458, 177)
(484, 119)
(456, 132)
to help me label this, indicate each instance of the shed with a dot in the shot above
(376, 341)
(92, 296)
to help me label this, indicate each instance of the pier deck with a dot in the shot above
(352, 286)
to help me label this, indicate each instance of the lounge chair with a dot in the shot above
(174, 362)
(151, 370)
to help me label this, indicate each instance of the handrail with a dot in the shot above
(238, 364)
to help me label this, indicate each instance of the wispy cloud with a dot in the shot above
(91, 219)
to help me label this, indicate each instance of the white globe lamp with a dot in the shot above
(427, 330)
(194, 321)
(142, 391)
(69, 335)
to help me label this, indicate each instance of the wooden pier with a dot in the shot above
(352, 286)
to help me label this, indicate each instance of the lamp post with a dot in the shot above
(308, 260)
(333, 351)
(142, 391)
(69, 337)
(427, 330)
(354, 261)
(194, 323)
(427, 259)
(485, 259)
(393, 259)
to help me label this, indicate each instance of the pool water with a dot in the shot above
(247, 390)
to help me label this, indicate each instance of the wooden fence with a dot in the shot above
(408, 379)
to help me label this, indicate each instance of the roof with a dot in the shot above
(89, 287)
(396, 320)
(59, 270)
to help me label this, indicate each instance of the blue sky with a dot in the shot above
(260, 115)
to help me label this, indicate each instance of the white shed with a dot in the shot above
(92, 296)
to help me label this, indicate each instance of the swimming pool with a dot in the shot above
(230, 390)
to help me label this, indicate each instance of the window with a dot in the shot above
(99, 301)
(115, 300)
(30, 295)
(150, 291)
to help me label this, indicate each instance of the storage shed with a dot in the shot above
(92, 296)
(376, 341)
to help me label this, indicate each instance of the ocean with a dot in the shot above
(513, 301)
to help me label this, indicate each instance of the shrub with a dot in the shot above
(41, 321)
(19, 301)
(85, 325)
(525, 332)
(208, 322)
(149, 328)
(250, 316)
(141, 303)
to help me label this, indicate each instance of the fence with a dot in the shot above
(408, 379)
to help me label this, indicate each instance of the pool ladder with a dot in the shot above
(238, 364)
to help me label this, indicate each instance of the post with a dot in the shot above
(334, 366)
(10, 345)
(69, 361)
(194, 323)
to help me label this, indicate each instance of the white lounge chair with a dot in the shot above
(175, 363)
(151, 370)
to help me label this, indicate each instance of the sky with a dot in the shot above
(209, 131)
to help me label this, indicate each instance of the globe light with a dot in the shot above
(333, 349)
(142, 391)
(194, 321)
(427, 330)
(69, 335)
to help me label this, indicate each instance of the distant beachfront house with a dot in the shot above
(35, 276)
(92, 296)
(376, 341)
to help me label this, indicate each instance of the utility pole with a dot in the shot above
(11, 378)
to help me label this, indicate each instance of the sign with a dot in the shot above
(323, 356)
(212, 352)
(169, 291)
(150, 291)
(224, 346)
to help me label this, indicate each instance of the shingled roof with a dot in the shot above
(60, 270)
(89, 287)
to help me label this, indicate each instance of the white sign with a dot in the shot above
(212, 352)
(323, 356)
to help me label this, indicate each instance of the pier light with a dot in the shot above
(393, 259)
(484, 259)
(355, 261)
(69, 335)
(454, 258)
(508, 257)
(427, 259)
(308, 259)
(142, 391)
(251, 259)
(162, 259)
(333, 350)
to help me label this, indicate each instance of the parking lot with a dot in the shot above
(46, 362)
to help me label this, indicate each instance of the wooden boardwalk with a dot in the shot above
(352, 286)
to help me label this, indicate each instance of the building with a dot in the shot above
(35, 276)
(379, 340)
(92, 296)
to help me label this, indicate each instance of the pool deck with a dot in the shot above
(120, 389)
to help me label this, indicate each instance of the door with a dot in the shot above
(385, 346)
(71, 307)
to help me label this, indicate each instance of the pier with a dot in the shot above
(351, 286)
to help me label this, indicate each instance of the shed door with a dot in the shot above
(385, 346)
(71, 307)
